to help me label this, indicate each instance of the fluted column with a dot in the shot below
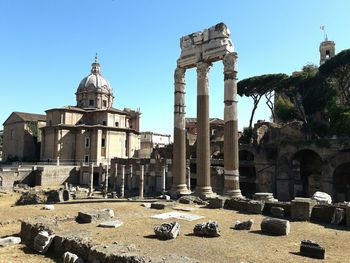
(203, 140)
(179, 186)
(231, 160)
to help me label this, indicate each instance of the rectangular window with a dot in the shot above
(91, 102)
(104, 103)
(11, 134)
(87, 142)
(86, 158)
(103, 142)
(116, 124)
(104, 123)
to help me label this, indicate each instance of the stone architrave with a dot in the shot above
(231, 160)
(122, 181)
(141, 181)
(179, 152)
(203, 137)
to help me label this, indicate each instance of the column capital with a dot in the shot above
(203, 70)
(229, 62)
(179, 75)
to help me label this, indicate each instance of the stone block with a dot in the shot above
(338, 216)
(207, 229)
(322, 213)
(111, 224)
(264, 197)
(158, 206)
(217, 202)
(9, 241)
(48, 207)
(309, 248)
(245, 225)
(285, 205)
(71, 258)
(301, 208)
(99, 215)
(255, 207)
(43, 241)
(167, 230)
(277, 212)
(275, 226)
(347, 211)
(237, 204)
(66, 195)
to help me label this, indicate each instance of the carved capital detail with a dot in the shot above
(230, 63)
(203, 70)
(179, 75)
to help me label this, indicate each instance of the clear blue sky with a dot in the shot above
(47, 47)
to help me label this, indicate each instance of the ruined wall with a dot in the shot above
(57, 175)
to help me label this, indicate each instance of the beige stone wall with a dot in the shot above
(66, 147)
(72, 118)
(116, 144)
(49, 146)
(13, 140)
(134, 144)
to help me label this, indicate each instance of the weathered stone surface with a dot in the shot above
(245, 225)
(99, 215)
(167, 230)
(264, 197)
(32, 197)
(9, 241)
(277, 212)
(255, 207)
(157, 205)
(238, 204)
(43, 241)
(322, 198)
(217, 202)
(275, 226)
(71, 258)
(285, 205)
(301, 208)
(310, 248)
(347, 209)
(190, 199)
(338, 216)
(55, 196)
(111, 224)
(207, 229)
(322, 213)
(147, 205)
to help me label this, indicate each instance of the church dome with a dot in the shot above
(94, 91)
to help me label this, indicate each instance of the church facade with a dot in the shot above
(91, 131)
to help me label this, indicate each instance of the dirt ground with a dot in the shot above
(232, 246)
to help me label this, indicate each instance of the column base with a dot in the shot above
(179, 190)
(205, 192)
(233, 193)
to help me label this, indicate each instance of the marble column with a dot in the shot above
(179, 186)
(203, 187)
(122, 181)
(231, 157)
(130, 178)
(105, 192)
(115, 184)
(146, 179)
(188, 171)
(163, 179)
(91, 188)
(141, 181)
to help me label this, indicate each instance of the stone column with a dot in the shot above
(130, 178)
(231, 158)
(163, 179)
(115, 184)
(179, 186)
(122, 181)
(188, 171)
(91, 189)
(146, 179)
(141, 181)
(203, 140)
(106, 183)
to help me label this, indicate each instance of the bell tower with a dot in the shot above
(327, 48)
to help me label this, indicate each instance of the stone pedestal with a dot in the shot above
(301, 208)
(203, 140)
(179, 186)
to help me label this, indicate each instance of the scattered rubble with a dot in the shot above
(48, 207)
(71, 258)
(99, 215)
(338, 216)
(111, 224)
(207, 229)
(43, 241)
(245, 225)
(190, 199)
(167, 230)
(32, 197)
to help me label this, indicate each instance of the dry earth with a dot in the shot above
(232, 246)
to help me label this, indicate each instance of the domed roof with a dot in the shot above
(95, 82)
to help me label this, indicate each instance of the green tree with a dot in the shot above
(257, 87)
(285, 110)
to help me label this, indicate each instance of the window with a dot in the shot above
(103, 142)
(91, 102)
(86, 158)
(87, 142)
(116, 124)
(104, 103)
(104, 123)
(12, 134)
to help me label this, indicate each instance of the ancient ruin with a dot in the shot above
(200, 50)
